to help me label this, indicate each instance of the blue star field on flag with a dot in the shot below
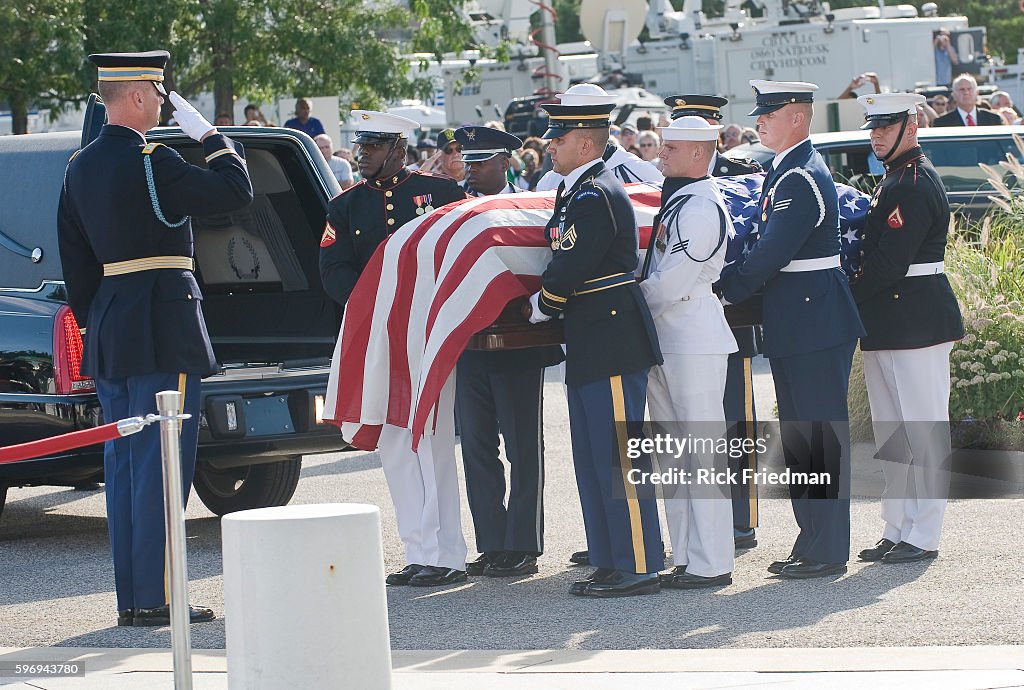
(742, 196)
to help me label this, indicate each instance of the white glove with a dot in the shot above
(537, 316)
(189, 119)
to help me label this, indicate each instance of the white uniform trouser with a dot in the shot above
(424, 487)
(685, 394)
(911, 387)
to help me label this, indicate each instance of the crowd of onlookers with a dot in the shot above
(963, 106)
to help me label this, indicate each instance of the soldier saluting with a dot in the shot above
(912, 320)
(126, 252)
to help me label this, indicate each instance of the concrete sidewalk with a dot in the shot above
(900, 668)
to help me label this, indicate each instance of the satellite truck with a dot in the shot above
(660, 51)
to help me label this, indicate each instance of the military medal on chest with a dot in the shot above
(556, 231)
(764, 206)
(423, 204)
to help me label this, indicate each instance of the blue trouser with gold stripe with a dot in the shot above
(741, 415)
(134, 483)
(811, 390)
(622, 528)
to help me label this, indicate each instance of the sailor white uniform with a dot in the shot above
(687, 390)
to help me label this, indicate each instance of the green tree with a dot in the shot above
(268, 47)
(40, 55)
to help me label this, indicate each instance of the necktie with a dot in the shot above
(970, 120)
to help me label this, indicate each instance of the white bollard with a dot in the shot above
(304, 601)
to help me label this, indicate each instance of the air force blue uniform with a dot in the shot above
(123, 216)
(810, 326)
(611, 344)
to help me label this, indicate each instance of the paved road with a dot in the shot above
(56, 579)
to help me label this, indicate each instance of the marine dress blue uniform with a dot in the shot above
(127, 253)
(811, 327)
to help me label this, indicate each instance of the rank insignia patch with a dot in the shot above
(329, 236)
(568, 240)
(895, 219)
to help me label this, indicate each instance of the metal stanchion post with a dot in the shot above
(168, 404)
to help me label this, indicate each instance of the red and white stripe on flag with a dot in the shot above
(427, 289)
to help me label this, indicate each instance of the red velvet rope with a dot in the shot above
(59, 444)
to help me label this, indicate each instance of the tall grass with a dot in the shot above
(985, 265)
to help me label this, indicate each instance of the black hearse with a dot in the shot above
(273, 329)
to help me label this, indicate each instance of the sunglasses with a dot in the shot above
(647, 146)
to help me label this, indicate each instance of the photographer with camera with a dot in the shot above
(945, 57)
(859, 81)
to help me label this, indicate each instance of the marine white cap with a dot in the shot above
(372, 125)
(690, 128)
(884, 109)
(772, 95)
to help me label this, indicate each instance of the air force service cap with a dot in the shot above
(583, 106)
(690, 128)
(484, 143)
(772, 95)
(701, 106)
(147, 66)
(884, 109)
(374, 127)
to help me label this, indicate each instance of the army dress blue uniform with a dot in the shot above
(501, 391)
(126, 249)
(611, 344)
(740, 410)
(912, 320)
(810, 326)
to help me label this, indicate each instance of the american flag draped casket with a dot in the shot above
(447, 275)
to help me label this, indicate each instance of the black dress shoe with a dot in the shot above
(691, 581)
(877, 551)
(483, 560)
(805, 569)
(743, 539)
(580, 558)
(580, 586)
(623, 584)
(667, 577)
(125, 617)
(433, 576)
(908, 553)
(512, 564)
(161, 615)
(776, 567)
(403, 576)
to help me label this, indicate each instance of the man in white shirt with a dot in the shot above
(339, 166)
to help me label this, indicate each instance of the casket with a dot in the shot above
(512, 331)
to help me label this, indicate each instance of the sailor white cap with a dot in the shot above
(690, 128)
(884, 109)
(585, 94)
(374, 127)
(772, 95)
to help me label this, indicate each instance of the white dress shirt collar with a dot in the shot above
(572, 178)
(780, 156)
(963, 114)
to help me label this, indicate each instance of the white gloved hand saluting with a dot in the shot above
(189, 119)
